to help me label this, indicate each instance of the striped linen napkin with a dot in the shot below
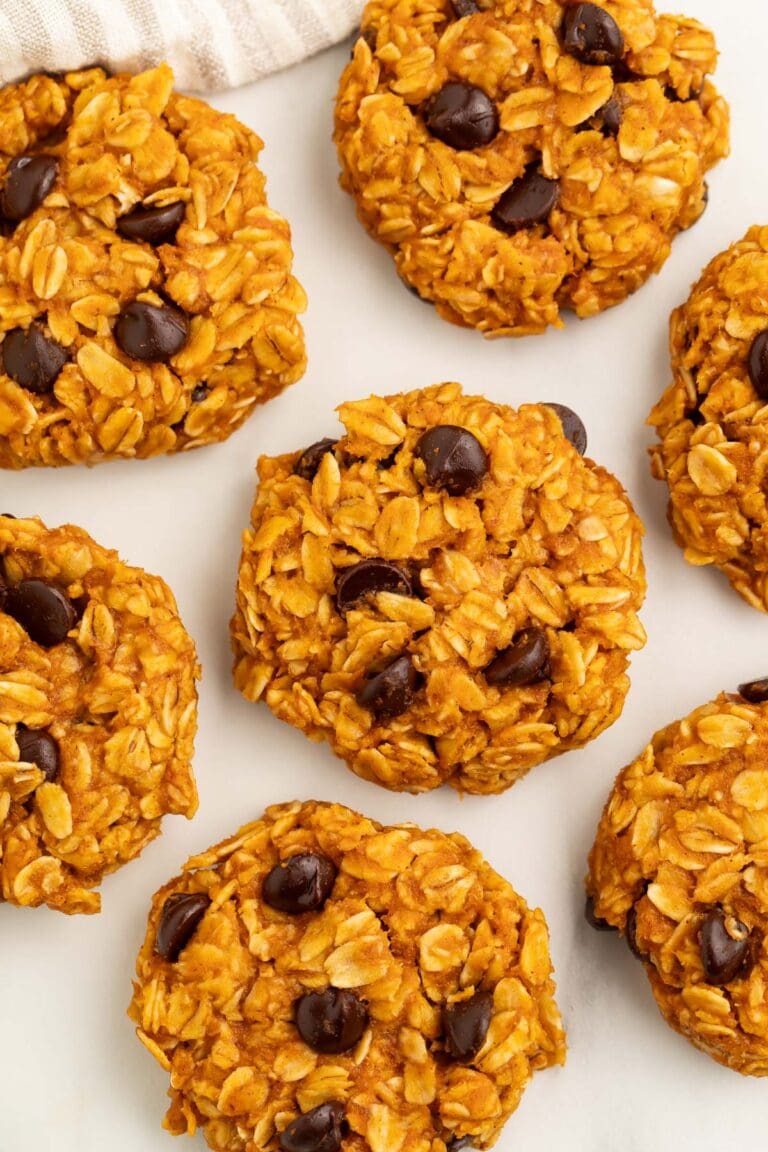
(211, 44)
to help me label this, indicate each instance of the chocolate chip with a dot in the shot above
(391, 692)
(179, 918)
(151, 331)
(199, 393)
(302, 883)
(43, 611)
(466, 1025)
(755, 691)
(36, 746)
(28, 181)
(529, 200)
(726, 947)
(33, 359)
(573, 426)
(592, 35)
(454, 459)
(308, 463)
(319, 1130)
(608, 118)
(456, 1143)
(465, 7)
(331, 1021)
(630, 934)
(526, 661)
(594, 921)
(155, 225)
(368, 577)
(758, 364)
(462, 116)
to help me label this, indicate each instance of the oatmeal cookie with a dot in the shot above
(98, 711)
(679, 867)
(446, 593)
(712, 421)
(146, 296)
(522, 156)
(318, 981)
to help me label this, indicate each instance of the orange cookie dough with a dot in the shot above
(519, 157)
(98, 711)
(679, 867)
(319, 982)
(447, 593)
(146, 296)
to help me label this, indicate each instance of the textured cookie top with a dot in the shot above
(98, 711)
(712, 420)
(519, 156)
(146, 301)
(319, 981)
(679, 866)
(446, 593)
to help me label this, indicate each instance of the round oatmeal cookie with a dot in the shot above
(319, 982)
(519, 157)
(712, 421)
(146, 296)
(679, 868)
(98, 711)
(447, 593)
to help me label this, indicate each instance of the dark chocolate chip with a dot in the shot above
(593, 920)
(529, 200)
(320, 1130)
(608, 118)
(526, 661)
(36, 746)
(151, 331)
(592, 35)
(302, 883)
(308, 463)
(454, 459)
(630, 933)
(462, 116)
(199, 393)
(331, 1021)
(465, 7)
(755, 691)
(368, 577)
(28, 181)
(456, 1143)
(726, 947)
(466, 1025)
(758, 364)
(179, 919)
(33, 359)
(43, 611)
(573, 426)
(155, 225)
(390, 692)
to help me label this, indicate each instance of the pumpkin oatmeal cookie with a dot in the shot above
(98, 711)
(146, 296)
(679, 868)
(519, 157)
(712, 421)
(447, 593)
(319, 982)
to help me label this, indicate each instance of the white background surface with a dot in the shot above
(73, 1078)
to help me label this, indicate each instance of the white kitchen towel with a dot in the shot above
(210, 44)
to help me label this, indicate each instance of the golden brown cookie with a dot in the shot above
(519, 157)
(712, 421)
(98, 711)
(319, 981)
(447, 593)
(679, 867)
(146, 296)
